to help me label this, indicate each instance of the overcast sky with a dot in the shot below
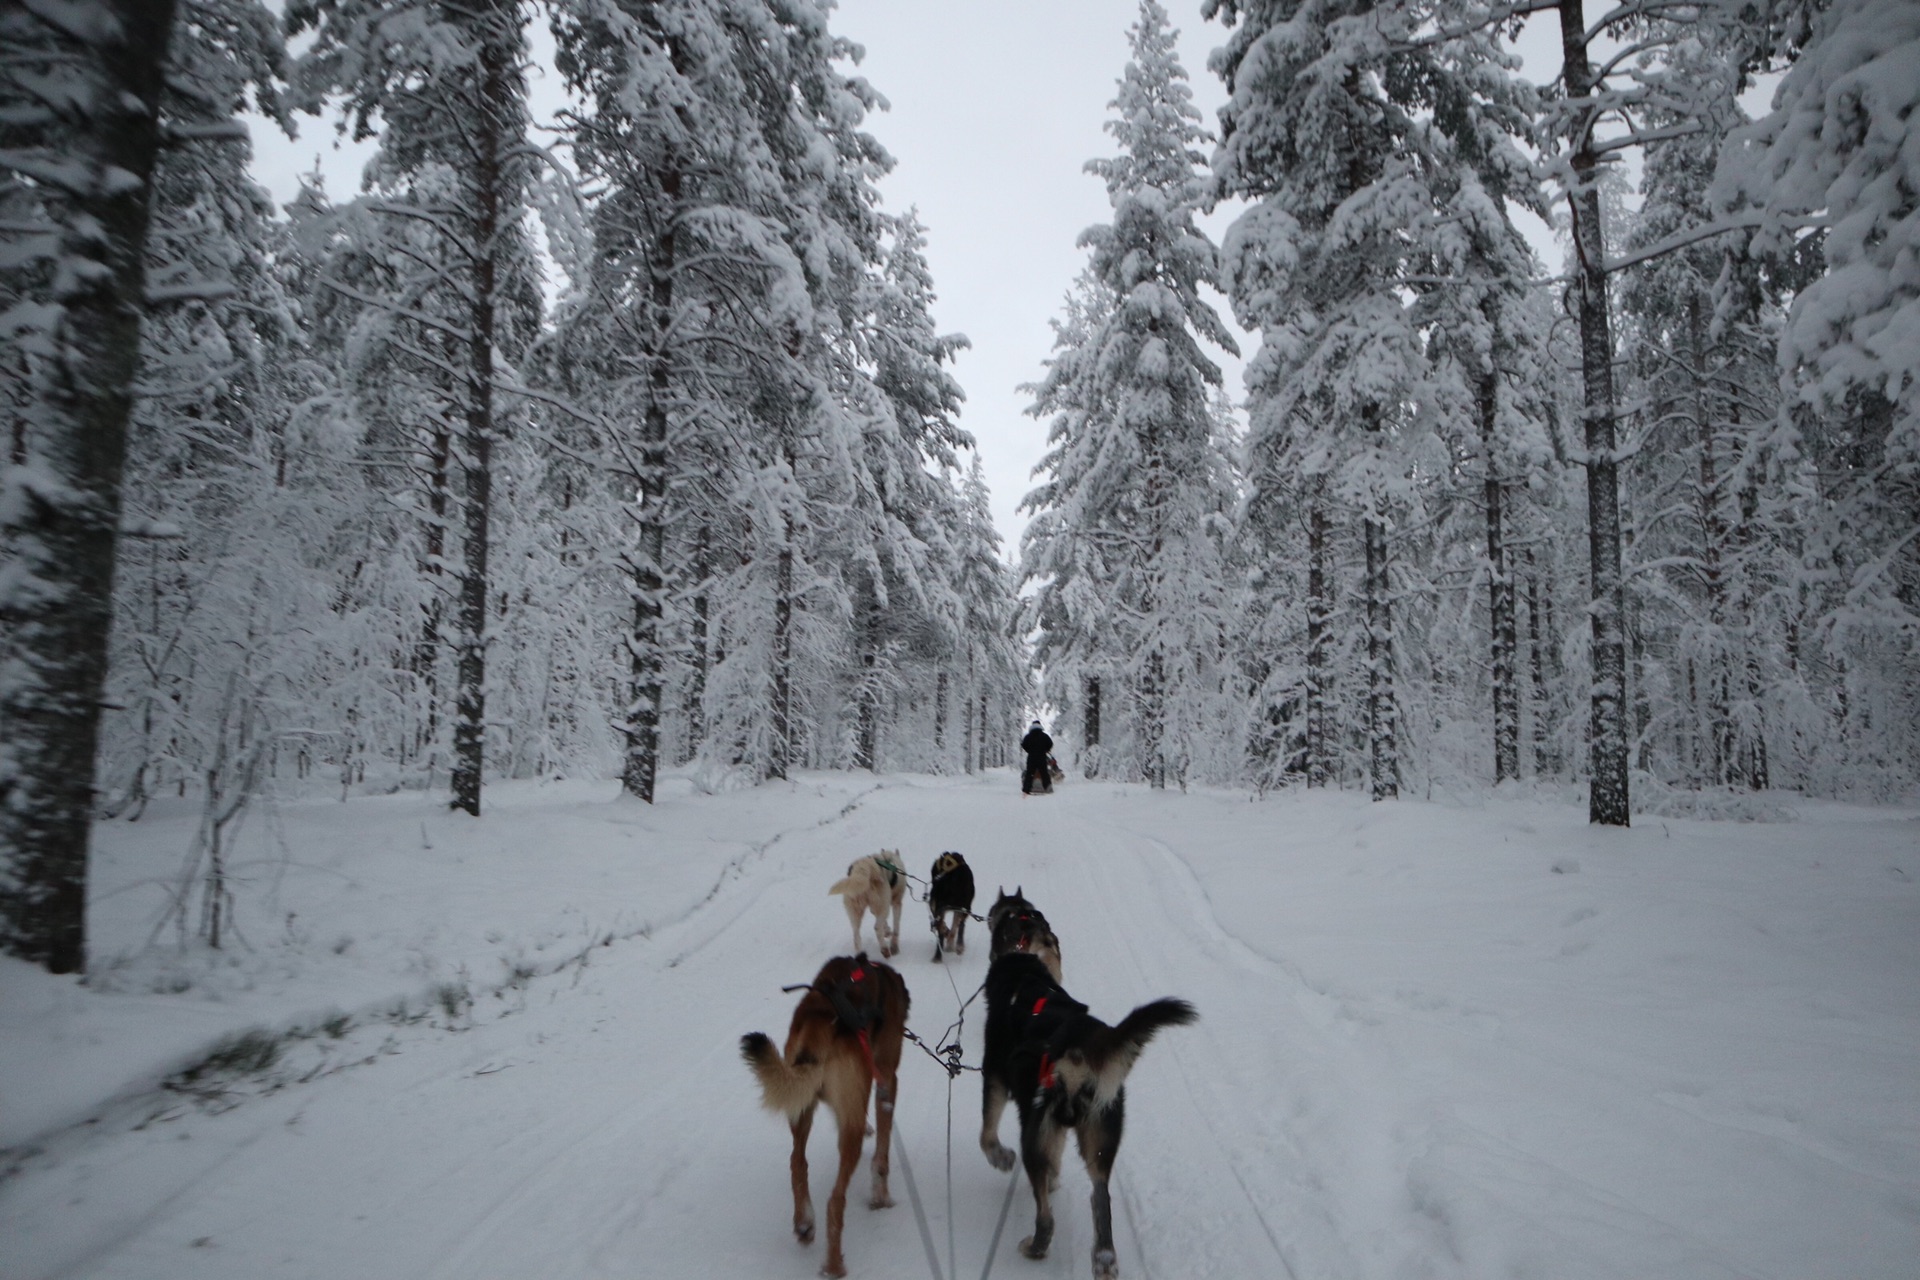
(996, 106)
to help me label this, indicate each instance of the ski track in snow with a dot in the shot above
(599, 1124)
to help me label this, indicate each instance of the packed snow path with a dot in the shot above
(1541, 1098)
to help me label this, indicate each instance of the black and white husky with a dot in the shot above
(1066, 1072)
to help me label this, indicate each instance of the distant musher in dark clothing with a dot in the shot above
(1037, 745)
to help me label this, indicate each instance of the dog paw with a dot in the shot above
(1031, 1250)
(880, 1200)
(1105, 1265)
(999, 1156)
(803, 1231)
(833, 1272)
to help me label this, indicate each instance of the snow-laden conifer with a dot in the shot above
(1138, 492)
(444, 88)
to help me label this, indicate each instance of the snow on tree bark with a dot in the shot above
(1608, 801)
(81, 86)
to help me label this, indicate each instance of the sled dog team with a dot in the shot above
(1063, 1069)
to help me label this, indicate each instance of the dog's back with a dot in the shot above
(849, 995)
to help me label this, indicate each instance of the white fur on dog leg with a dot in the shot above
(1105, 1265)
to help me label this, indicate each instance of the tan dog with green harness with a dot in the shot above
(876, 883)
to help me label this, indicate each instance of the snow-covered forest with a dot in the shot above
(455, 622)
(626, 441)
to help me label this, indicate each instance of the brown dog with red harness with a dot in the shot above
(845, 1037)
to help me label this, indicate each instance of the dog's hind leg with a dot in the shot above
(993, 1102)
(1040, 1145)
(884, 1092)
(802, 1201)
(854, 907)
(848, 1098)
(1099, 1139)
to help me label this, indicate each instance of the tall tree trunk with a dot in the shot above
(647, 651)
(1092, 728)
(867, 695)
(696, 700)
(488, 177)
(1319, 636)
(1383, 748)
(94, 155)
(1608, 800)
(1506, 692)
(940, 715)
(426, 651)
(780, 748)
(1544, 764)
(968, 751)
(1714, 538)
(1153, 719)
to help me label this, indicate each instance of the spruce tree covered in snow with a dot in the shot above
(1833, 175)
(1138, 490)
(908, 612)
(80, 132)
(1319, 266)
(449, 190)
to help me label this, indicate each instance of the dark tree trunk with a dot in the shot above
(1383, 747)
(496, 28)
(426, 652)
(781, 746)
(1714, 540)
(1153, 720)
(1538, 637)
(646, 674)
(940, 713)
(104, 65)
(696, 700)
(1608, 799)
(1506, 692)
(1092, 727)
(867, 694)
(1319, 636)
(968, 750)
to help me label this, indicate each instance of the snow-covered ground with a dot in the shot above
(1467, 1039)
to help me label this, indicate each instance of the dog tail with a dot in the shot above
(787, 1087)
(848, 886)
(1112, 1056)
(1140, 1026)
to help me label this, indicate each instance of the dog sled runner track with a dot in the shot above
(844, 1042)
(1065, 1072)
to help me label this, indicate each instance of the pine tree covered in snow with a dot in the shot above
(1319, 266)
(1138, 490)
(449, 193)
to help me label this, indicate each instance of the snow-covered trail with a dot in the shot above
(1430, 1045)
(608, 1128)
